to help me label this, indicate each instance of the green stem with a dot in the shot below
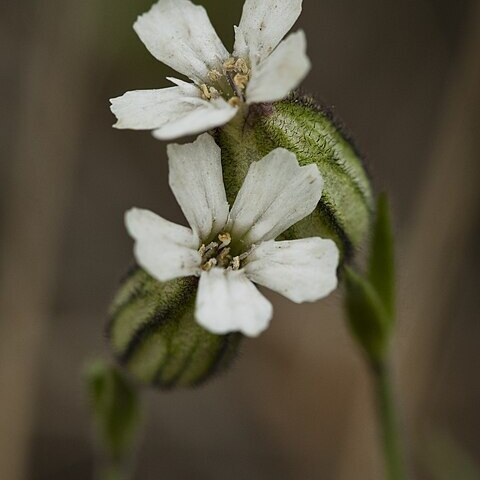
(387, 416)
(112, 473)
(113, 469)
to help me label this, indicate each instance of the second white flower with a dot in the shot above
(230, 249)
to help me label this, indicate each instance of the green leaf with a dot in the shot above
(381, 267)
(369, 321)
(115, 406)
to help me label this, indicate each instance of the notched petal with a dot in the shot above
(280, 73)
(276, 194)
(162, 248)
(263, 25)
(301, 270)
(227, 301)
(197, 183)
(180, 34)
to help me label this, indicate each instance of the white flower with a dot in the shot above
(230, 249)
(262, 68)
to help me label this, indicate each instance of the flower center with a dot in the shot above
(230, 83)
(217, 254)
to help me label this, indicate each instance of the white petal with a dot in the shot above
(301, 270)
(241, 47)
(162, 248)
(172, 112)
(228, 302)
(280, 73)
(276, 194)
(149, 109)
(196, 117)
(187, 87)
(179, 34)
(197, 182)
(263, 25)
(144, 224)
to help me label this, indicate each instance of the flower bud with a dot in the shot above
(301, 126)
(116, 409)
(154, 335)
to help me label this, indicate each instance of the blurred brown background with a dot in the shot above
(405, 77)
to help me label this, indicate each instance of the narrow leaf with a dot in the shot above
(368, 318)
(381, 268)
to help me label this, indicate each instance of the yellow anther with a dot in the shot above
(223, 255)
(207, 266)
(225, 238)
(205, 92)
(229, 64)
(214, 93)
(241, 66)
(235, 265)
(214, 75)
(235, 102)
(241, 81)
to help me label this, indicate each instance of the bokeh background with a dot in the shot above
(405, 77)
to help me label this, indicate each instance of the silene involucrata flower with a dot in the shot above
(262, 68)
(231, 248)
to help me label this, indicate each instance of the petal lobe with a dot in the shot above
(228, 302)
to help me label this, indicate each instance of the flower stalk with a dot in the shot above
(370, 306)
(389, 423)
(112, 469)
(115, 407)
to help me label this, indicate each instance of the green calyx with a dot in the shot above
(154, 335)
(299, 125)
(152, 330)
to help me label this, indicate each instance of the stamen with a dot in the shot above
(244, 255)
(236, 90)
(214, 93)
(242, 66)
(224, 258)
(230, 82)
(235, 265)
(214, 75)
(235, 102)
(241, 81)
(207, 266)
(205, 92)
(209, 92)
(229, 64)
(225, 238)
(217, 254)
(210, 251)
(224, 253)
(211, 246)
